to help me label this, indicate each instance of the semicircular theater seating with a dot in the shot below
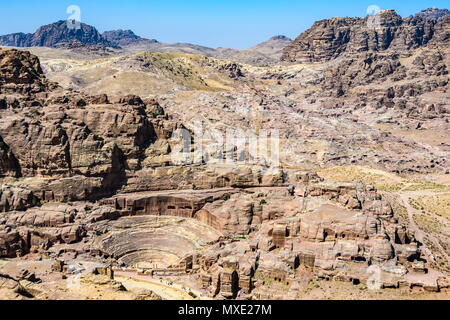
(152, 242)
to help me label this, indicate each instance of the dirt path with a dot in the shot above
(173, 291)
(420, 234)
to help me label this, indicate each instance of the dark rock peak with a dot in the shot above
(56, 35)
(433, 13)
(117, 35)
(124, 37)
(280, 37)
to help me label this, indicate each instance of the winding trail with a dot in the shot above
(419, 233)
(175, 291)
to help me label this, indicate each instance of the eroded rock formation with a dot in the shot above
(386, 31)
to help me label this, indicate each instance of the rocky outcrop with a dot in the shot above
(234, 216)
(9, 165)
(170, 203)
(50, 216)
(328, 240)
(26, 135)
(368, 68)
(233, 69)
(11, 242)
(125, 38)
(441, 36)
(11, 289)
(329, 39)
(433, 13)
(16, 39)
(22, 232)
(68, 135)
(16, 198)
(20, 72)
(56, 35)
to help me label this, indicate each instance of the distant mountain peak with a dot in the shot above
(57, 35)
(280, 37)
(125, 37)
(433, 13)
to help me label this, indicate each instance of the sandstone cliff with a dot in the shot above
(329, 39)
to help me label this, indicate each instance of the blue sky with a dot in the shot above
(231, 23)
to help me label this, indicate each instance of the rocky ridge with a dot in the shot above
(433, 13)
(386, 31)
(125, 38)
(88, 41)
(57, 35)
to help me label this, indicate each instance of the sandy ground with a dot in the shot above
(163, 287)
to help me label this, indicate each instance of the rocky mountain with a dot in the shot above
(125, 38)
(433, 13)
(88, 40)
(329, 39)
(16, 39)
(57, 35)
